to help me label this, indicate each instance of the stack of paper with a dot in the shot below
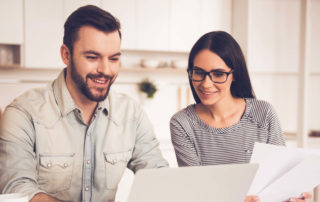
(284, 172)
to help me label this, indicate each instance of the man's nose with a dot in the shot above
(105, 67)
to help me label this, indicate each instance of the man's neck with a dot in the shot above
(86, 105)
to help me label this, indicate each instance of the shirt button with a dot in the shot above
(87, 189)
(248, 151)
(65, 165)
(49, 165)
(88, 161)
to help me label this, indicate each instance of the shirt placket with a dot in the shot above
(88, 163)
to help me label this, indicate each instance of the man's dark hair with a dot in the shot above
(88, 16)
(226, 47)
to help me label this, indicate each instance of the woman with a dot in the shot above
(227, 119)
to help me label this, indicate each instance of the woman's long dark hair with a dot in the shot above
(226, 47)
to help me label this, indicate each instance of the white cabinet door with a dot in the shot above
(313, 39)
(190, 19)
(43, 33)
(125, 11)
(153, 24)
(274, 35)
(215, 15)
(184, 24)
(11, 21)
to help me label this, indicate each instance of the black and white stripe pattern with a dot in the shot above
(196, 143)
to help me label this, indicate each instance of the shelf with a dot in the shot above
(158, 70)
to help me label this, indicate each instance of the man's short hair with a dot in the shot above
(88, 16)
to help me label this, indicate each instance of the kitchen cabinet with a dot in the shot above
(11, 18)
(168, 25)
(152, 25)
(313, 40)
(125, 11)
(43, 33)
(274, 30)
(184, 24)
(44, 20)
(191, 19)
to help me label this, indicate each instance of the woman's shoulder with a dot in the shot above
(259, 110)
(259, 105)
(185, 113)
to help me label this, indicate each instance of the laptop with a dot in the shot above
(219, 183)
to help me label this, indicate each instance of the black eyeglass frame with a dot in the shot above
(208, 73)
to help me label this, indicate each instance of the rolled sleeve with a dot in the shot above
(146, 153)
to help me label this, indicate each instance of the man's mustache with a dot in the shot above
(97, 76)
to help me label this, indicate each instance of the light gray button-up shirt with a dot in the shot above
(46, 147)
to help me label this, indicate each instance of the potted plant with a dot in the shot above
(148, 87)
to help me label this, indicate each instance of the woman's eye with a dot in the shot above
(197, 72)
(217, 74)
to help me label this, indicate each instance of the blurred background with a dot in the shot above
(280, 39)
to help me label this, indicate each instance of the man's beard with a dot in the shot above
(83, 85)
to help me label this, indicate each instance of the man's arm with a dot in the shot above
(17, 157)
(42, 197)
(146, 153)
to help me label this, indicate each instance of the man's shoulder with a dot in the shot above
(116, 97)
(33, 97)
(121, 103)
(39, 103)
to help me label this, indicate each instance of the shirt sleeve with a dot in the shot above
(275, 136)
(184, 147)
(146, 152)
(17, 157)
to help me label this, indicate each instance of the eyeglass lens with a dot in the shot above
(215, 76)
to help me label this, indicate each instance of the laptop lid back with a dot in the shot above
(221, 183)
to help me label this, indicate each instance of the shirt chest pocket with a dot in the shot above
(55, 172)
(115, 164)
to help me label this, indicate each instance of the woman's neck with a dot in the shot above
(222, 114)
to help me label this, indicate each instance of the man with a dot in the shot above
(73, 140)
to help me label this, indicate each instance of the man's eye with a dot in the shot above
(114, 59)
(91, 57)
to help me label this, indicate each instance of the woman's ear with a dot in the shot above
(65, 55)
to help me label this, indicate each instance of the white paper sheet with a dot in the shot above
(303, 177)
(275, 163)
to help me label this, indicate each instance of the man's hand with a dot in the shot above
(252, 199)
(42, 197)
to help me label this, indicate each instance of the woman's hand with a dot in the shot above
(303, 198)
(252, 199)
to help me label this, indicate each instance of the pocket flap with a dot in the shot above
(63, 161)
(113, 158)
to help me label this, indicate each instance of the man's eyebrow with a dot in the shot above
(114, 55)
(91, 52)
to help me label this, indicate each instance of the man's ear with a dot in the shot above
(65, 55)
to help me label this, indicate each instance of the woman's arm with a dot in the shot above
(184, 147)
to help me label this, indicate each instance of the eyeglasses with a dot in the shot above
(216, 76)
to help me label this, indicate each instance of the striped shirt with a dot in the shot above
(197, 143)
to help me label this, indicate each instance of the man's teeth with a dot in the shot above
(99, 81)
